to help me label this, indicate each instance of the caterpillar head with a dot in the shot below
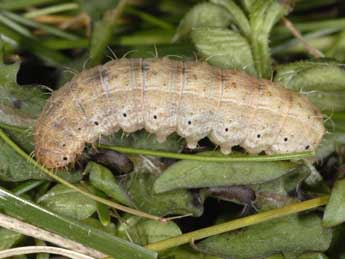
(51, 152)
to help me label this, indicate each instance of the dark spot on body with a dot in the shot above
(65, 158)
(285, 139)
(260, 86)
(124, 115)
(189, 122)
(226, 129)
(307, 147)
(184, 69)
(144, 67)
(63, 145)
(155, 117)
(104, 73)
(96, 123)
(258, 136)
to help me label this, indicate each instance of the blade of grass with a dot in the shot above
(27, 186)
(150, 18)
(231, 158)
(34, 46)
(59, 44)
(84, 192)
(19, 4)
(74, 230)
(51, 10)
(238, 223)
(27, 22)
(103, 32)
(14, 26)
(334, 24)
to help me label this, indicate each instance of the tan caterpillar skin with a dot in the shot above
(164, 96)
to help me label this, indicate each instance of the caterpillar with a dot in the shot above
(163, 96)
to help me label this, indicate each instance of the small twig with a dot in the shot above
(33, 231)
(238, 223)
(42, 249)
(219, 159)
(296, 33)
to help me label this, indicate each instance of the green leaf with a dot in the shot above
(143, 231)
(237, 14)
(248, 4)
(203, 14)
(8, 238)
(19, 105)
(103, 211)
(145, 140)
(110, 228)
(335, 209)
(103, 179)
(293, 234)
(335, 122)
(322, 81)
(311, 75)
(180, 202)
(74, 230)
(103, 30)
(329, 144)
(23, 138)
(15, 168)
(197, 174)
(96, 9)
(263, 16)
(67, 202)
(337, 51)
(332, 101)
(224, 48)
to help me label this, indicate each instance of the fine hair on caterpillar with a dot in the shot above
(164, 96)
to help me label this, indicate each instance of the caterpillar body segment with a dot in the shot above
(164, 96)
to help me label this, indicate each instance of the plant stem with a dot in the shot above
(86, 193)
(238, 223)
(295, 32)
(231, 158)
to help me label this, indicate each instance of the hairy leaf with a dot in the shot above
(103, 179)
(143, 231)
(224, 48)
(263, 16)
(237, 14)
(293, 234)
(335, 209)
(197, 174)
(68, 202)
(19, 105)
(8, 238)
(203, 14)
(180, 202)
